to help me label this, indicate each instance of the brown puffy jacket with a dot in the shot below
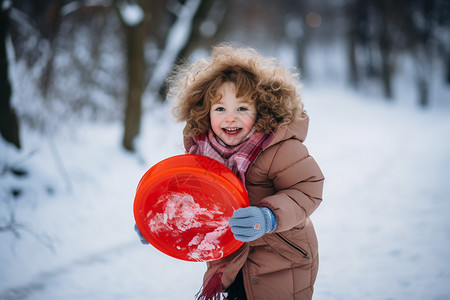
(283, 264)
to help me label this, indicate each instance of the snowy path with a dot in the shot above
(121, 272)
(41, 283)
(383, 228)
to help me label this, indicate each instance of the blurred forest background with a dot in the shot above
(107, 59)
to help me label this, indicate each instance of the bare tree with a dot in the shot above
(135, 35)
(385, 44)
(9, 126)
(206, 29)
(49, 27)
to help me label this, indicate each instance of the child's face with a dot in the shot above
(232, 118)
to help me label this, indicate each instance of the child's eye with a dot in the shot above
(242, 108)
(220, 109)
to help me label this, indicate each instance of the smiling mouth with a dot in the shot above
(232, 131)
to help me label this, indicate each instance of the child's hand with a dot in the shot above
(141, 237)
(250, 223)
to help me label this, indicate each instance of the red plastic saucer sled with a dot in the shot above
(182, 206)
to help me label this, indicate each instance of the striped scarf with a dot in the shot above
(236, 158)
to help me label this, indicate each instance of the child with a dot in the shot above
(243, 110)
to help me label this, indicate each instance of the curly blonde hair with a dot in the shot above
(258, 79)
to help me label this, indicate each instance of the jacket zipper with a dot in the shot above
(303, 252)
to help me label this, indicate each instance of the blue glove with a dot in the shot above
(250, 223)
(143, 240)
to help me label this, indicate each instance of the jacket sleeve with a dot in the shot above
(298, 182)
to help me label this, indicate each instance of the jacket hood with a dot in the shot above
(295, 130)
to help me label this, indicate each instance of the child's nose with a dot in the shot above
(230, 117)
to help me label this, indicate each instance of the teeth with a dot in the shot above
(231, 129)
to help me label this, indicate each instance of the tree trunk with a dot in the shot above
(386, 50)
(50, 28)
(447, 78)
(351, 53)
(386, 73)
(9, 126)
(135, 35)
(357, 18)
(422, 86)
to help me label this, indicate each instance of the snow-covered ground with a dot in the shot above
(383, 226)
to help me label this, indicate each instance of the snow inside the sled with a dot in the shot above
(189, 227)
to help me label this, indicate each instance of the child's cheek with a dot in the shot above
(249, 120)
(215, 123)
